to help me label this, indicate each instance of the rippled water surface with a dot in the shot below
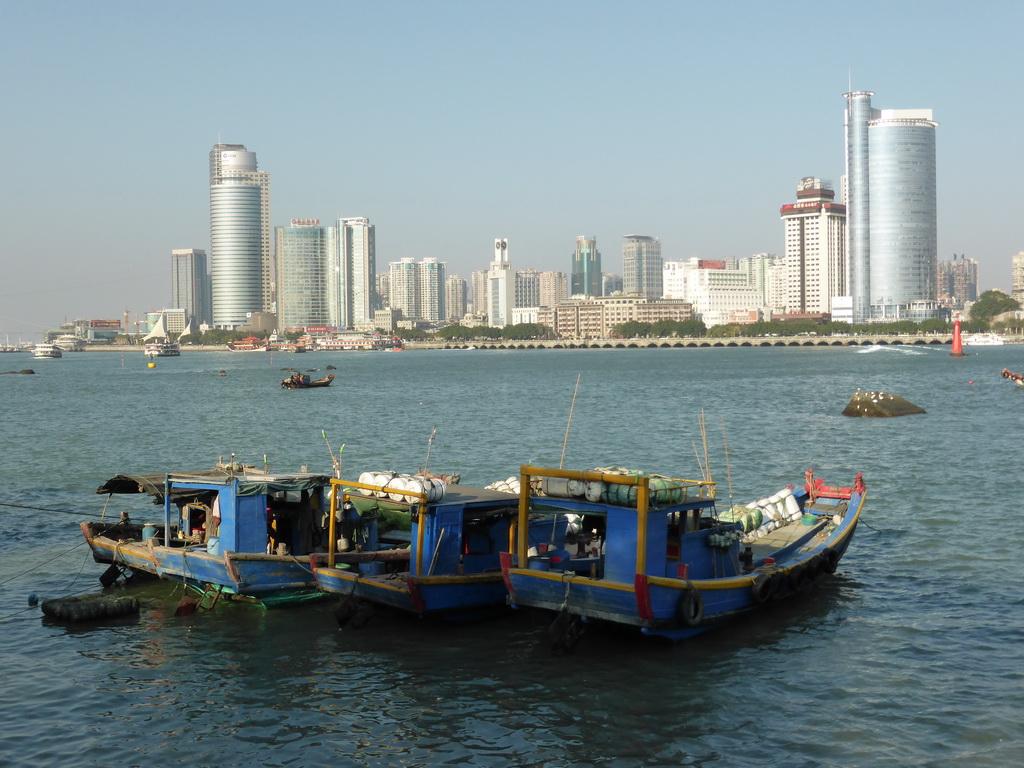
(911, 655)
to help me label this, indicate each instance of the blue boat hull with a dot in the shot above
(421, 595)
(253, 576)
(678, 608)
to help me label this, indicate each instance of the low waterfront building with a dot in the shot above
(595, 318)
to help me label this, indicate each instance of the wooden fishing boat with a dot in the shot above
(1016, 378)
(303, 381)
(232, 532)
(447, 560)
(657, 554)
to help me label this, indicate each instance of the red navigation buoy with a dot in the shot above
(958, 349)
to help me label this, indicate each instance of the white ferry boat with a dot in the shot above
(984, 340)
(163, 348)
(47, 350)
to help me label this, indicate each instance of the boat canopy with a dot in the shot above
(248, 485)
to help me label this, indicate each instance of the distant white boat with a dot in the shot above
(68, 342)
(984, 340)
(47, 350)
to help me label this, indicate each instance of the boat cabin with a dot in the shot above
(245, 513)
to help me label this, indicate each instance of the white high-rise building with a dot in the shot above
(501, 287)
(356, 269)
(417, 289)
(554, 288)
(815, 255)
(241, 270)
(455, 297)
(717, 290)
(431, 290)
(1017, 277)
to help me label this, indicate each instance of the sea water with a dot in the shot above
(911, 655)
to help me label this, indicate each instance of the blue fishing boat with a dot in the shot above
(444, 560)
(657, 554)
(232, 532)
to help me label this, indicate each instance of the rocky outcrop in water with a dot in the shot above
(5, 373)
(880, 405)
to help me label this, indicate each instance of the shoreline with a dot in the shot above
(636, 343)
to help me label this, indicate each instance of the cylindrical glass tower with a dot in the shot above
(858, 202)
(903, 230)
(236, 264)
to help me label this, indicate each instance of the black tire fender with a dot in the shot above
(830, 560)
(690, 609)
(762, 588)
(797, 577)
(814, 566)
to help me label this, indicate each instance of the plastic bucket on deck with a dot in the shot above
(540, 563)
(148, 531)
(213, 545)
(372, 568)
(559, 559)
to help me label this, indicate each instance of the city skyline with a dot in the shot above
(430, 161)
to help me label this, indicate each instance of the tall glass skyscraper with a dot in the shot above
(190, 284)
(892, 232)
(240, 265)
(586, 268)
(304, 255)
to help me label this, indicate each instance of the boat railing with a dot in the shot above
(341, 490)
(693, 491)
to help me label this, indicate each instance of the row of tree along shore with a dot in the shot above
(993, 311)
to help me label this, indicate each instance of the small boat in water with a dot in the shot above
(657, 554)
(303, 381)
(421, 545)
(232, 532)
(44, 351)
(1016, 378)
(983, 340)
(248, 344)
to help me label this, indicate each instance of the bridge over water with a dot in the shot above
(683, 343)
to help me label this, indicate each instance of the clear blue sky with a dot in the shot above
(451, 123)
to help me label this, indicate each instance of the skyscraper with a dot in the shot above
(417, 289)
(455, 290)
(586, 268)
(815, 257)
(240, 264)
(641, 266)
(190, 284)
(304, 255)
(892, 244)
(1017, 277)
(431, 290)
(501, 287)
(957, 282)
(357, 269)
(554, 288)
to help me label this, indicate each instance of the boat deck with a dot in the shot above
(796, 533)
